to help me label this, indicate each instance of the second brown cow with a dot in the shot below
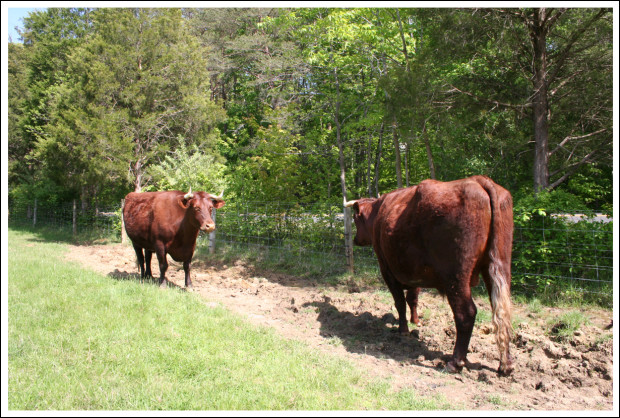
(443, 235)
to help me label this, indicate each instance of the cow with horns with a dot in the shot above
(443, 235)
(168, 223)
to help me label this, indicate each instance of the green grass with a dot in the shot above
(564, 326)
(78, 340)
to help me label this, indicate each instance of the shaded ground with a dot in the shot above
(551, 374)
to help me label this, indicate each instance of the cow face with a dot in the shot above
(199, 206)
(362, 216)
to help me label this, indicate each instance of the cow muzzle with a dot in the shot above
(208, 228)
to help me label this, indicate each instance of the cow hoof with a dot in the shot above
(451, 367)
(163, 285)
(505, 370)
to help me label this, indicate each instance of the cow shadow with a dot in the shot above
(135, 277)
(379, 337)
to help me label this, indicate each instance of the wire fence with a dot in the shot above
(567, 252)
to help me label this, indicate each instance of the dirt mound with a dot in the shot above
(552, 373)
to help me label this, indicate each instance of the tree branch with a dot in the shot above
(519, 108)
(563, 55)
(570, 138)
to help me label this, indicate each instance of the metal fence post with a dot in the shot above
(74, 217)
(123, 232)
(348, 240)
(212, 236)
(34, 217)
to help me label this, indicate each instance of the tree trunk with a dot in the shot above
(538, 34)
(368, 165)
(429, 153)
(138, 176)
(348, 237)
(378, 160)
(399, 174)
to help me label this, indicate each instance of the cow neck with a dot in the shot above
(376, 205)
(188, 231)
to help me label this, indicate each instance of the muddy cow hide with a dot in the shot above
(444, 235)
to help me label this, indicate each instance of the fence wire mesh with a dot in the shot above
(572, 251)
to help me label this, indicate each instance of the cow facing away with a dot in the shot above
(443, 235)
(168, 223)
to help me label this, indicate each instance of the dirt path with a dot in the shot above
(361, 327)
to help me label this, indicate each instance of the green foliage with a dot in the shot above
(291, 97)
(555, 201)
(187, 167)
(557, 255)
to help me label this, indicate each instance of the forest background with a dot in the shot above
(311, 104)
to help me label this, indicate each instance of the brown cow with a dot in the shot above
(168, 223)
(443, 235)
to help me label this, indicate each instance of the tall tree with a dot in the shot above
(140, 81)
(38, 69)
(560, 78)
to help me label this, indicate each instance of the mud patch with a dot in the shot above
(361, 326)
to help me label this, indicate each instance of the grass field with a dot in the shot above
(82, 341)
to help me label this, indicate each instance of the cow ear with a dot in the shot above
(183, 202)
(218, 203)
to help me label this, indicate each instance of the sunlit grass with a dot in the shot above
(82, 341)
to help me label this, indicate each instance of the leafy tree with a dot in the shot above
(188, 166)
(270, 172)
(138, 83)
(38, 69)
(561, 55)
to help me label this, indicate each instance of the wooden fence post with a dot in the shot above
(212, 236)
(123, 232)
(34, 217)
(74, 217)
(348, 240)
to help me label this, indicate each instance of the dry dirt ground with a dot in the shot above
(361, 327)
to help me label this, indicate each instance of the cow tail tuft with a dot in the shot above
(500, 251)
(502, 308)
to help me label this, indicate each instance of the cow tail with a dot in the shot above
(500, 251)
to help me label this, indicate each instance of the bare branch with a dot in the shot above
(570, 138)
(519, 108)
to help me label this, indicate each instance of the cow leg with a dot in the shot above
(163, 266)
(398, 294)
(188, 279)
(412, 301)
(148, 254)
(464, 310)
(401, 306)
(140, 256)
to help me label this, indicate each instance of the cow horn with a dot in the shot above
(220, 197)
(189, 194)
(349, 203)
